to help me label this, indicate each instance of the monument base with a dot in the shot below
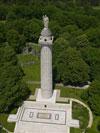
(44, 116)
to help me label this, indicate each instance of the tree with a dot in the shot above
(32, 31)
(72, 29)
(81, 41)
(84, 21)
(16, 40)
(94, 96)
(91, 56)
(98, 126)
(17, 25)
(3, 12)
(59, 45)
(55, 28)
(68, 65)
(2, 32)
(11, 16)
(12, 90)
(22, 11)
(0, 127)
(93, 35)
(74, 69)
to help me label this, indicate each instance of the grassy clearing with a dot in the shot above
(33, 87)
(70, 92)
(75, 130)
(80, 113)
(26, 58)
(31, 71)
(3, 121)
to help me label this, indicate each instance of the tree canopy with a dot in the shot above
(75, 25)
(12, 89)
(94, 97)
(71, 69)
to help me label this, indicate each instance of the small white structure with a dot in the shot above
(45, 114)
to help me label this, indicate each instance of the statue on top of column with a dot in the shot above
(45, 21)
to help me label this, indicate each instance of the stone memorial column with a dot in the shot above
(45, 41)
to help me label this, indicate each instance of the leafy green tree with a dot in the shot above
(66, 36)
(84, 21)
(23, 11)
(16, 40)
(74, 69)
(55, 28)
(0, 127)
(32, 31)
(3, 12)
(16, 24)
(2, 32)
(94, 96)
(91, 56)
(80, 41)
(93, 35)
(98, 126)
(59, 45)
(11, 15)
(72, 29)
(69, 67)
(12, 90)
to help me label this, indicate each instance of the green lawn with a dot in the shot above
(75, 130)
(33, 87)
(70, 92)
(80, 113)
(3, 121)
(31, 71)
(26, 58)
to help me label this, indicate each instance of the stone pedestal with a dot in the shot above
(44, 116)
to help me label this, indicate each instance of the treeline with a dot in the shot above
(74, 2)
(12, 88)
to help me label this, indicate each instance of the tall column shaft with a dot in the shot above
(46, 71)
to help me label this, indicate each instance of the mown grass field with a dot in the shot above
(31, 71)
(4, 123)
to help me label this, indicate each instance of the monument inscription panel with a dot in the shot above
(44, 116)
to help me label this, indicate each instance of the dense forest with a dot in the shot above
(75, 25)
